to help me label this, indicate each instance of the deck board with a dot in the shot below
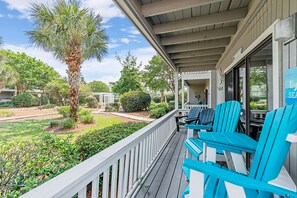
(166, 178)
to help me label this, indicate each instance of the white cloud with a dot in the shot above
(131, 30)
(106, 8)
(1, 15)
(125, 40)
(107, 71)
(113, 45)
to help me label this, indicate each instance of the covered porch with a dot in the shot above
(218, 42)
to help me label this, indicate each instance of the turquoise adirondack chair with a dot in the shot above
(266, 177)
(192, 117)
(226, 119)
(206, 117)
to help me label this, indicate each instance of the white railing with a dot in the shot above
(116, 171)
(189, 106)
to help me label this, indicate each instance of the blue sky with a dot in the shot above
(123, 37)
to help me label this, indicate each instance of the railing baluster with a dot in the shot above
(140, 159)
(131, 169)
(121, 177)
(144, 156)
(82, 193)
(126, 178)
(105, 187)
(114, 180)
(136, 164)
(95, 187)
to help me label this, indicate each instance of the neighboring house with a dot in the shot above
(105, 98)
(6, 94)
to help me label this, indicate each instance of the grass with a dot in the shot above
(6, 113)
(24, 130)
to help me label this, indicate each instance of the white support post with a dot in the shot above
(183, 93)
(196, 184)
(276, 72)
(176, 90)
(238, 162)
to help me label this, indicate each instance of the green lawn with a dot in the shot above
(22, 130)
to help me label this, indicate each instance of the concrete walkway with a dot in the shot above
(24, 117)
(133, 117)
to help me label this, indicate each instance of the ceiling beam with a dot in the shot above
(197, 63)
(201, 21)
(197, 68)
(166, 6)
(198, 53)
(199, 36)
(198, 46)
(197, 59)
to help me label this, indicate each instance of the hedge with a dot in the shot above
(135, 101)
(24, 100)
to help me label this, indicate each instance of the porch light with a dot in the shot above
(286, 29)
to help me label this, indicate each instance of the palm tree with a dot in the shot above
(73, 34)
(7, 74)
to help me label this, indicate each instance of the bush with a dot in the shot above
(97, 140)
(6, 113)
(156, 99)
(24, 100)
(169, 97)
(64, 111)
(87, 119)
(54, 123)
(92, 102)
(111, 107)
(116, 100)
(6, 104)
(84, 112)
(135, 101)
(25, 165)
(68, 123)
(48, 106)
(158, 110)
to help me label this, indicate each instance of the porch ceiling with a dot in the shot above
(191, 35)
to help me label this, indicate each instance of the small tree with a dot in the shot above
(130, 79)
(73, 34)
(98, 86)
(158, 76)
(58, 91)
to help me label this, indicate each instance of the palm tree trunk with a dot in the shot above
(74, 61)
(162, 96)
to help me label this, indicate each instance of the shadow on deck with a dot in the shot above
(166, 178)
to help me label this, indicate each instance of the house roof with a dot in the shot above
(191, 35)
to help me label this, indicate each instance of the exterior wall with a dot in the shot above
(252, 27)
(195, 90)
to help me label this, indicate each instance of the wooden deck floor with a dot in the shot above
(166, 178)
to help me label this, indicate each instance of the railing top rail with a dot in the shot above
(81, 174)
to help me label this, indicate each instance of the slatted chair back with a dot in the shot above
(272, 146)
(206, 116)
(194, 112)
(226, 116)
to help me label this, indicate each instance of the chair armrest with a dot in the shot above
(197, 126)
(189, 120)
(233, 142)
(236, 178)
(184, 116)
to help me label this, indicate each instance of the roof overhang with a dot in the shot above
(190, 35)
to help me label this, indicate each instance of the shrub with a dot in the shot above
(84, 112)
(92, 102)
(112, 107)
(6, 113)
(64, 111)
(24, 100)
(6, 104)
(158, 110)
(116, 100)
(135, 101)
(68, 123)
(48, 106)
(54, 123)
(95, 141)
(87, 119)
(25, 165)
(156, 99)
(169, 97)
